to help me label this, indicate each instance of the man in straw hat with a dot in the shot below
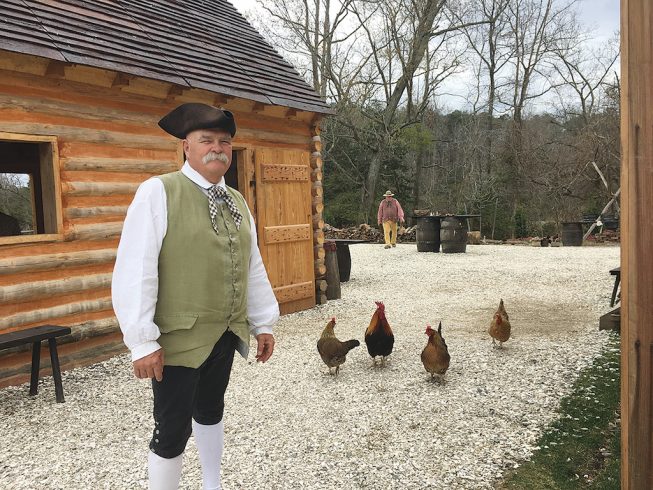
(189, 288)
(390, 213)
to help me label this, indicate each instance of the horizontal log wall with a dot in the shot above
(108, 143)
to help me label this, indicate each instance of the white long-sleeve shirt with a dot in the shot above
(135, 283)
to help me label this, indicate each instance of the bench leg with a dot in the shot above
(36, 365)
(56, 370)
(614, 290)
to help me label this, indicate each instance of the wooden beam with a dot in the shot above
(175, 91)
(294, 292)
(41, 262)
(258, 107)
(636, 239)
(291, 113)
(271, 172)
(287, 233)
(39, 289)
(316, 144)
(57, 69)
(220, 100)
(50, 314)
(122, 80)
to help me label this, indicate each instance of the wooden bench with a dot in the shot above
(34, 336)
(611, 320)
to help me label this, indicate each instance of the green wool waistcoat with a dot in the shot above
(202, 275)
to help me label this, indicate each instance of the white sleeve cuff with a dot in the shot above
(144, 349)
(259, 330)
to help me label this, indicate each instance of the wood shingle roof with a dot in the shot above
(203, 44)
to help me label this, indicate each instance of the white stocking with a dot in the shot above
(164, 473)
(209, 440)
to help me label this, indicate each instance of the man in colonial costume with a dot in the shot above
(189, 288)
(389, 214)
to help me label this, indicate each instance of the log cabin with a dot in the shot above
(82, 87)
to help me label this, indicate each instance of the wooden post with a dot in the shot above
(636, 242)
(332, 271)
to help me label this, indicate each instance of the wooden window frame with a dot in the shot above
(51, 188)
(246, 184)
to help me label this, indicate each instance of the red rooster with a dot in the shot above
(378, 336)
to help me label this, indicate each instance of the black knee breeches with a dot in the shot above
(186, 393)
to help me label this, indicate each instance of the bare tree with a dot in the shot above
(585, 73)
(490, 41)
(15, 198)
(312, 31)
(409, 46)
(540, 29)
(585, 109)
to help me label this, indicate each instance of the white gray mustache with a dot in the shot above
(209, 157)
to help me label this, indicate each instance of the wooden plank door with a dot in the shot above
(284, 222)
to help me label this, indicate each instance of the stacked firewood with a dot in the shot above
(367, 232)
(611, 236)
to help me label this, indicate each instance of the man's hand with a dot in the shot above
(265, 346)
(150, 366)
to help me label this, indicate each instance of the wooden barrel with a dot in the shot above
(453, 236)
(333, 274)
(427, 234)
(572, 234)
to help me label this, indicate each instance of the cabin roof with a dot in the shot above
(203, 44)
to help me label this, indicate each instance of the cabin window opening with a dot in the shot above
(28, 188)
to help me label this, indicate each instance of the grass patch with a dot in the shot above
(582, 448)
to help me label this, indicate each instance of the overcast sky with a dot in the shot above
(599, 16)
(602, 15)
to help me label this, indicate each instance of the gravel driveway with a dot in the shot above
(289, 425)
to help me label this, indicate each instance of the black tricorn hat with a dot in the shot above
(191, 116)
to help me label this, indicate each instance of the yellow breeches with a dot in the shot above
(390, 232)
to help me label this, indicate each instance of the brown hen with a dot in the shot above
(435, 355)
(500, 326)
(332, 351)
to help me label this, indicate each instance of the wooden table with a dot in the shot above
(617, 273)
(344, 256)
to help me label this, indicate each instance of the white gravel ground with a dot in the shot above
(289, 425)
